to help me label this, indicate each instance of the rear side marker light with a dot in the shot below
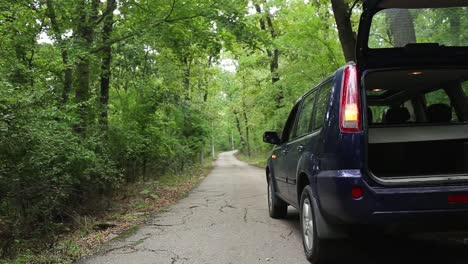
(357, 193)
(458, 199)
(350, 110)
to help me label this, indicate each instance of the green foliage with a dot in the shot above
(45, 168)
(309, 51)
(61, 154)
(93, 98)
(443, 26)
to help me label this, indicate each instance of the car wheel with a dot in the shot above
(276, 207)
(316, 250)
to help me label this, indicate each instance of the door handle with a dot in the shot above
(300, 148)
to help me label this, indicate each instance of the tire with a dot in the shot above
(317, 250)
(276, 207)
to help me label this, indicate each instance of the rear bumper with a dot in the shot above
(386, 205)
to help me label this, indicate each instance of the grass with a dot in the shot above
(255, 159)
(127, 211)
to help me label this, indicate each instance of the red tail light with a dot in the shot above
(350, 109)
(357, 192)
(458, 199)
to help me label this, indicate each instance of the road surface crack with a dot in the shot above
(286, 236)
(245, 215)
(174, 256)
(226, 205)
(131, 247)
(253, 196)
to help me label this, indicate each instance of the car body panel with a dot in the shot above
(280, 165)
(380, 202)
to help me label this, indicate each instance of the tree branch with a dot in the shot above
(113, 41)
(350, 13)
(172, 9)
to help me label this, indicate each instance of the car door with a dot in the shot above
(310, 145)
(296, 147)
(281, 153)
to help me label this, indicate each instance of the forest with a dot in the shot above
(99, 94)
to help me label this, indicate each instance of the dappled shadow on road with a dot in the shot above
(427, 249)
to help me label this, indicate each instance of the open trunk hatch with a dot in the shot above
(413, 33)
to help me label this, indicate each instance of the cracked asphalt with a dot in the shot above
(225, 220)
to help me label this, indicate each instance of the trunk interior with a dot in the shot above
(427, 158)
(417, 124)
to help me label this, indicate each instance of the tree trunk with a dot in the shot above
(247, 132)
(187, 130)
(262, 22)
(187, 73)
(205, 82)
(85, 38)
(233, 145)
(213, 155)
(68, 72)
(347, 37)
(402, 27)
(239, 129)
(272, 54)
(455, 19)
(68, 76)
(106, 61)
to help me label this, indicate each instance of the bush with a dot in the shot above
(46, 169)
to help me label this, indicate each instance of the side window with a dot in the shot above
(435, 101)
(286, 135)
(437, 97)
(322, 104)
(304, 122)
(465, 88)
(376, 114)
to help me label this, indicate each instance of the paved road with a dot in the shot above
(225, 220)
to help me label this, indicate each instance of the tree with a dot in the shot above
(58, 32)
(107, 30)
(346, 34)
(87, 13)
(401, 27)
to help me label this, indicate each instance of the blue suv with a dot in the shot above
(383, 142)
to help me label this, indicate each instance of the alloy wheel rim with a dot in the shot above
(307, 225)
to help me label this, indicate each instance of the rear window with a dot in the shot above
(399, 27)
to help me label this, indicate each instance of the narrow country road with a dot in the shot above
(225, 220)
